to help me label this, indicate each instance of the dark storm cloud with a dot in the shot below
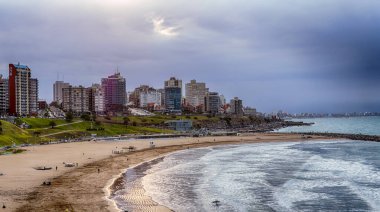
(291, 55)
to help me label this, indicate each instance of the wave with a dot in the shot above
(311, 176)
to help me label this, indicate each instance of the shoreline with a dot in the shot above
(82, 188)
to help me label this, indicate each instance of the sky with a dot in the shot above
(290, 55)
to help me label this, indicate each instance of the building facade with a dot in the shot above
(162, 93)
(97, 100)
(33, 96)
(222, 100)
(173, 95)
(236, 105)
(4, 96)
(134, 96)
(114, 88)
(76, 99)
(195, 93)
(212, 102)
(42, 105)
(19, 85)
(150, 100)
(57, 91)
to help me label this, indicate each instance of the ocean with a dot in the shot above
(367, 125)
(288, 176)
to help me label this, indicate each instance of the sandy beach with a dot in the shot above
(84, 187)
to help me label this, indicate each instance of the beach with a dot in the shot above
(85, 187)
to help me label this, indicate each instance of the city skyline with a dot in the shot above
(307, 57)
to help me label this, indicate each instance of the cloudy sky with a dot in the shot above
(295, 55)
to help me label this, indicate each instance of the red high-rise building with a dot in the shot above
(23, 91)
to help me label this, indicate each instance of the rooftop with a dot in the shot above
(18, 66)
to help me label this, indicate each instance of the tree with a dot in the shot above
(85, 117)
(52, 124)
(69, 117)
(18, 121)
(126, 121)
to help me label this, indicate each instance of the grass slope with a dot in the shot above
(12, 133)
(42, 122)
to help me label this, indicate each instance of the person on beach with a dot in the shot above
(98, 171)
(56, 168)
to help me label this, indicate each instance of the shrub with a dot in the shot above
(85, 117)
(52, 124)
(69, 117)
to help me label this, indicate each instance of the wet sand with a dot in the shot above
(82, 188)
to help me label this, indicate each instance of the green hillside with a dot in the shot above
(40, 130)
(11, 133)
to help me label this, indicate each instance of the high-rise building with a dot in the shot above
(134, 96)
(195, 93)
(222, 100)
(212, 102)
(162, 92)
(150, 100)
(173, 95)
(57, 90)
(33, 96)
(114, 88)
(97, 104)
(236, 106)
(23, 92)
(4, 96)
(76, 99)
(173, 82)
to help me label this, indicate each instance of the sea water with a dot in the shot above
(287, 176)
(368, 125)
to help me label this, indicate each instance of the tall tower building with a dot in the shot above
(195, 93)
(114, 88)
(20, 89)
(57, 90)
(33, 96)
(4, 96)
(236, 106)
(173, 95)
(212, 102)
(97, 99)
